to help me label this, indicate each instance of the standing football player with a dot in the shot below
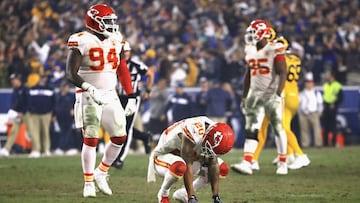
(295, 156)
(188, 148)
(263, 84)
(95, 61)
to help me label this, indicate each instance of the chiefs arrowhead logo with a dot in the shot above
(92, 13)
(218, 136)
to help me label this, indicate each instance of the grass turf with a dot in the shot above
(333, 176)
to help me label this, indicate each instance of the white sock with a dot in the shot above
(169, 180)
(281, 142)
(111, 152)
(88, 158)
(200, 182)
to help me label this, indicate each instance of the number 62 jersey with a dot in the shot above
(100, 58)
(263, 78)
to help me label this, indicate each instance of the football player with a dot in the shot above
(190, 148)
(263, 85)
(291, 96)
(95, 61)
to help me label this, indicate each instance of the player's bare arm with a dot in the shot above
(213, 175)
(73, 62)
(280, 69)
(149, 82)
(188, 154)
(246, 83)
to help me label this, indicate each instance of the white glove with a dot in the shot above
(94, 93)
(276, 100)
(243, 106)
(130, 107)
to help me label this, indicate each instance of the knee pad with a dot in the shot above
(252, 135)
(118, 140)
(223, 169)
(92, 142)
(178, 168)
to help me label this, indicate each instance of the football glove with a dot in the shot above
(192, 199)
(243, 106)
(276, 100)
(130, 107)
(94, 93)
(216, 199)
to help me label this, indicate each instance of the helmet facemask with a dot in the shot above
(107, 24)
(207, 153)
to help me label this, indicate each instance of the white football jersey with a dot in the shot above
(100, 58)
(263, 79)
(193, 128)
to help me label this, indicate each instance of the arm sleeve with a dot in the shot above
(124, 77)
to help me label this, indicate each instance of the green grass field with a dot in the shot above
(333, 176)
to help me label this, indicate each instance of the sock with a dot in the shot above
(293, 143)
(200, 182)
(88, 160)
(169, 180)
(281, 144)
(249, 149)
(110, 154)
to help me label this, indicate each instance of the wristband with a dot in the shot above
(85, 86)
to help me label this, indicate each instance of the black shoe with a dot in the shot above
(118, 164)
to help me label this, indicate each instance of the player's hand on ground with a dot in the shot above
(130, 107)
(192, 199)
(94, 93)
(216, 199)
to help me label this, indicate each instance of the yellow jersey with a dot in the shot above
(291, 91)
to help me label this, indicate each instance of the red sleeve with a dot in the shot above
(279, 57)
(124, 76)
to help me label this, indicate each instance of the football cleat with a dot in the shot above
(244, 167)
(101, 180)
(181, 195)
(163, 197)
(89, 189)
(300, 161)
(255, 165)
(282, 168)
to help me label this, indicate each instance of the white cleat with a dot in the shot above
(300, 161)
(89, 189)
(181, 195)
(101, 180)
(255, 165)
(4, 153)
(282, 169)
(244, 167)
(163, 196)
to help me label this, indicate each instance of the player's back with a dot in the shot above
(291, 91)
(263, 78)
(100, 58)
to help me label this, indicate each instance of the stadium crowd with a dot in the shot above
(183, 40)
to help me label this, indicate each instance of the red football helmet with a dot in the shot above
(219, 138)
(101, 19)
(257, 30)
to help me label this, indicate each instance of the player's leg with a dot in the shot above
(172, 168)
(254, 116)
(262, 135)
(275, 113)
(202, 180)
(90, 114)
(114, 121)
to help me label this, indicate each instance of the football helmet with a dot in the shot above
(219, 139)
(257, 30)
(282, 40)
(101, 19)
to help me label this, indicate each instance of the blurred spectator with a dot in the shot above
(158, 101)
(200, 98)
(332, 96)
(16, 113)
(40, 106)
(179, 104)
(63, 138)
(218, 103)
(310, 109)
